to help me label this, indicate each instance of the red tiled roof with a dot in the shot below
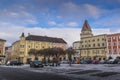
(45, 38)
(115, 34)
(2, 40)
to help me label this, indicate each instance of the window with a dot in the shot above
(109, 51)
(36, 46)
(109, 44)
(114, 37)
(119, 37)
(103, 44)
(29, 46)
(22, 46)
(103, 39)
(93, 45)
(114, 44)
(21, 52)
(98, 44)
(82, 45)
(115, 50)
(89, 45)
(97, 39)
(93, 40)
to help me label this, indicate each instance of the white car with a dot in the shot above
(111, 61)
(102, 62)
(119, 62)
(64, 62)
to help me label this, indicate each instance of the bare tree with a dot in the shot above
(70, 51)
(34, 52)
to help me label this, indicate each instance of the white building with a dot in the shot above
(77, 47)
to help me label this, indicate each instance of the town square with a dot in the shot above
(59, 40)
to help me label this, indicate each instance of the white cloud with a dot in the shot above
(73, 24)
(12, 32)
(94, 11)
(74, 11)
(20, 17)
(51, 23)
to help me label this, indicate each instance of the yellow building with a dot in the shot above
(93, 47)
(2, 50)
(21, 47)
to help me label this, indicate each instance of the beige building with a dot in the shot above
(2, 50)
(21, 47)
(93, 47)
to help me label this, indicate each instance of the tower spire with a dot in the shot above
(22, 34)
(86, 26)
(86, 30)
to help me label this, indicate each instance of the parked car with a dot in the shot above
(110, 61)
(95, 62)
(36, 63)
(102, 61)
(14, 63)
(64, 62)
(83, 62)
(119, 62)
(0, 62)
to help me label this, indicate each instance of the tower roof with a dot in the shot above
(22, 35)
(86, 26)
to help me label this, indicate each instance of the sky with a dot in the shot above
(57, 18)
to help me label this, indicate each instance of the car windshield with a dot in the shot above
(37, 62)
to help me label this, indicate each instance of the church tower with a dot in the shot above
(22, 37)
(86, 30)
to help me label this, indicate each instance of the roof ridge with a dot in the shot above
(45, 38)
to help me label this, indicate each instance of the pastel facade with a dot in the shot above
(93, 47)
(8, 53)
(113, 45)
(21, 47)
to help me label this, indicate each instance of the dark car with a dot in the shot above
(36, 63)
(14, 63)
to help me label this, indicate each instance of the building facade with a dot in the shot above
(2, 50)
(8, 52)
(93, 47)
(21, 47)
(77, 47)
(113, 45)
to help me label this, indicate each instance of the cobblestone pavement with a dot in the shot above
(80, 71)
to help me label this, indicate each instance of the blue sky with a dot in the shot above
(57, 18)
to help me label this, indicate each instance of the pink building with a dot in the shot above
(113, 45)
